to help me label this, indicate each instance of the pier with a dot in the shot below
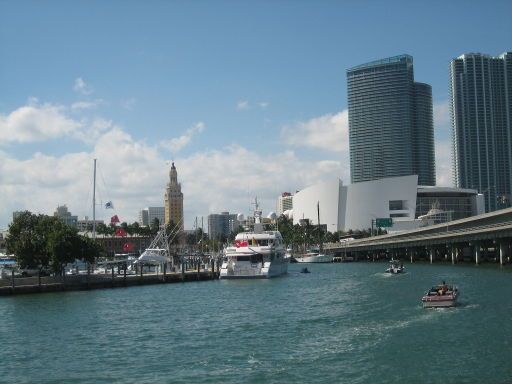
(23, 285)
(482, 238)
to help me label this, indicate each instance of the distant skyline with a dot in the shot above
(247, 98)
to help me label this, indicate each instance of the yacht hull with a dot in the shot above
(251, 271)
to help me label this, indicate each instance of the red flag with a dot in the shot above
(128, 247)
(120, 232)
(114, 219)
(241, 243)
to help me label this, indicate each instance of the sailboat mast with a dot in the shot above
(94, 203)
(319, 230)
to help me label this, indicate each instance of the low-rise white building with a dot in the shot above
(359, 205)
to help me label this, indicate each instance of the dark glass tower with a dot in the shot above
(391, 126)
(481, 109)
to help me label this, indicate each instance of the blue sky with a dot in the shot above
(247, 97)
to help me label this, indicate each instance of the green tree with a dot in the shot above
(134, 228)
(63, 245)
(102, 229)
(89, 250)
(27, 241)
(285, 226)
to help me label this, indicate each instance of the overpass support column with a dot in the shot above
(432, 253)
(477, 253)
(454, 254)
(503, 247)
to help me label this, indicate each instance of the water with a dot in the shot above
(342, 323)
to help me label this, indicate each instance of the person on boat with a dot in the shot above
(442, 288)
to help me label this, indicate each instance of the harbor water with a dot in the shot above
(341, 323)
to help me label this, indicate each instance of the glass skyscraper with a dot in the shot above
(391, 127)
(481, 111)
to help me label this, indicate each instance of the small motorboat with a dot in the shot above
(395, 267)
(441, 296)
(304, 270)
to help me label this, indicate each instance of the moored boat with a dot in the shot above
(313, 257)
(441, 296)
(255, 254)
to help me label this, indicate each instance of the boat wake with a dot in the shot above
(465, 305)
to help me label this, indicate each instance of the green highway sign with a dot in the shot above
(384, 222)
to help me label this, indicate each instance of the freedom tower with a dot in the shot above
(391, 129)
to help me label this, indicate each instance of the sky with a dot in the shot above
(248, 98)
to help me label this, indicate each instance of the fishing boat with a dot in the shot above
(255, 254)
(395, 267)
(440, 296)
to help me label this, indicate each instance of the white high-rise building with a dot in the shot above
(481, 107)
(284, 203)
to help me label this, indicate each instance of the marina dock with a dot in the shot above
(83, 282)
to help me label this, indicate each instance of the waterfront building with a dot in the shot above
(391, 129)
(357, 206)
(173, 199)
(221, 224)
(113, 245)
(284, 203)
(481, 114)
(62, 213)
(458, 203)
(86, 224)
(149, 214)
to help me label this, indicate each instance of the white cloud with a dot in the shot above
(93, 130)
(176, 144)
(328, 132)
(86, 104)
(442, 114)
(36, 123)
(242, 105)
(128, 104)
(82, 87)
(263, 104)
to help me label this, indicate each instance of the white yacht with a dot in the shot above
(255, 254)
(313, 257)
